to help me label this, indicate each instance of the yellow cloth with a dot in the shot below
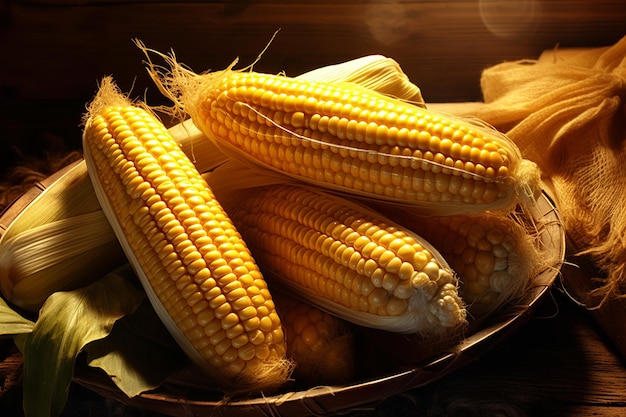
(567, 112)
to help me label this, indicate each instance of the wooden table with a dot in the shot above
(557, 364)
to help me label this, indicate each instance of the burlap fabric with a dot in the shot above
(567, 112)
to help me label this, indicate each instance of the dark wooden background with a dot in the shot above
(57, 49)
(53, 52)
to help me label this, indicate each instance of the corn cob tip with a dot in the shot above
(267, 376)
(438, 309)
(529, 187)
(108, 94)
(181, 85)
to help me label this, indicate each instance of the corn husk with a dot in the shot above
(58, 242)
(376, 72)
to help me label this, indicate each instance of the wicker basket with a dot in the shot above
(175, 400)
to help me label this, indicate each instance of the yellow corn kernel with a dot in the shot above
(320, 344)
(494, 255)
(354, 139)
(349, 260)
(195, 268)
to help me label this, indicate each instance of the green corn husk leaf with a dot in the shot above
(139, 354)
(12, 323)
(68, 321)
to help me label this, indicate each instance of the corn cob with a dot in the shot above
(348, 260)
(353, 139)
(320, 344)
(494, 256)
(197, 271)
